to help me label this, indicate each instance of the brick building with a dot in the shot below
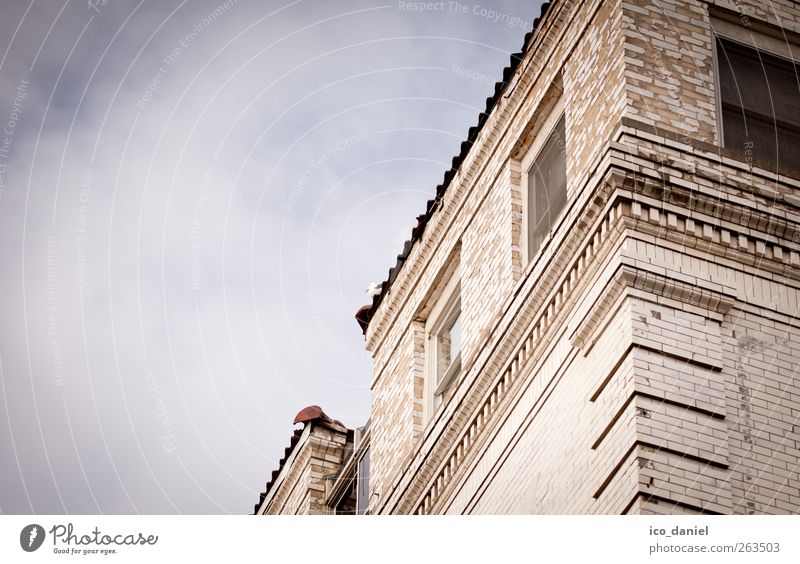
(597, 313)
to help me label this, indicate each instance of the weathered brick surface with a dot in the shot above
(669, 66)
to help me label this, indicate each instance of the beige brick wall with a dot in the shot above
(646, 361)
(397, 408)
(594, 89)
(488, 264)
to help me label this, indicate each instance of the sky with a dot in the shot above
(194, 197)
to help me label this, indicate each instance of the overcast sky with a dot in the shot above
(193, 198)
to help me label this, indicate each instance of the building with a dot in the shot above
(597, 313)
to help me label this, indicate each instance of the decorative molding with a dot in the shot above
(639, 277)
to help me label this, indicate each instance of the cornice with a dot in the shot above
(706, 295)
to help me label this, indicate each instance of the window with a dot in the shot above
(443, 344)
(759, 103)
(545, 173)
(448, 348)
(362, 484)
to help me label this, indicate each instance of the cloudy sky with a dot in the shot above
(194, 196)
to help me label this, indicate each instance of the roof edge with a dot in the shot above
(434, 204)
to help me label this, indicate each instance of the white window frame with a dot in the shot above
(531, 155)
(447, 307)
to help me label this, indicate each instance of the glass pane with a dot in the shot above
(362, 483)
(547, 187)
(455, 335)
(759, 82)
(448, 343)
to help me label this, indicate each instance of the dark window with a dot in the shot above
(362, 483)
(760, 102)
(347, 504)
(547, 188)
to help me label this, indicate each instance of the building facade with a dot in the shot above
(597, 313)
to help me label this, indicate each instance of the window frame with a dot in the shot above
(447, 308)
(362, 504)
(556, 112)
(755, 36)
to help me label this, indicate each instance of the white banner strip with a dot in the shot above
(350, 539)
